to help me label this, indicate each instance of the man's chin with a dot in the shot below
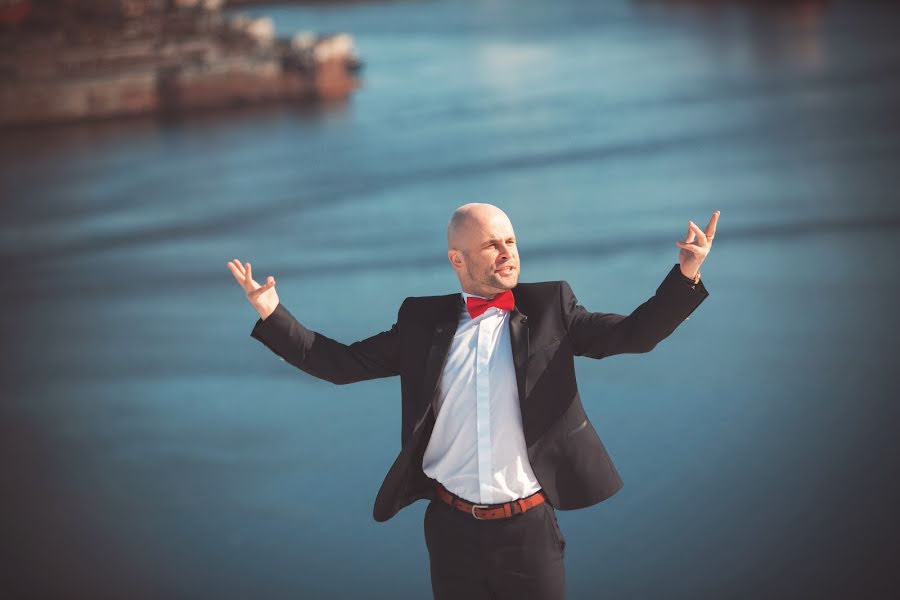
(505, 283)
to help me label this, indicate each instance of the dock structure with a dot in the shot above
(64, 60)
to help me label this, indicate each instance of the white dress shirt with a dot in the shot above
(477, 449)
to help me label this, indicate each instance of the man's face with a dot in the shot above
(490, 258)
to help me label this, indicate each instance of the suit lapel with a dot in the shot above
(518, 337)
(441, 338)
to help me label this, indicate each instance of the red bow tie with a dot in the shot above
(477, 306)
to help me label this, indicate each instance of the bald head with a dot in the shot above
(481, 246)
(471, 218)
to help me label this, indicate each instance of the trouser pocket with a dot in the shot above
(554, 526)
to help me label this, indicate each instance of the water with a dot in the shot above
(150, 448)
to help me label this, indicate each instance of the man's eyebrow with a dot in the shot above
(493, 240)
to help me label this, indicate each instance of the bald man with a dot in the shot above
(493, 431)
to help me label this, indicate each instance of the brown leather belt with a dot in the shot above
(490, 511)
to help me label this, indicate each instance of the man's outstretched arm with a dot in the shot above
(325, 358)
(310, 351)
(598, 335)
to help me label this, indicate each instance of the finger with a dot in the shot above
(692, 248)
(701, 237)
(250, 283)
(711, 226)
(238, 276)
(239, 266)
(690, 236)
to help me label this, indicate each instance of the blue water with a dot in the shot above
(149, 448)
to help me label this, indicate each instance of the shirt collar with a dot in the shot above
(465, 296)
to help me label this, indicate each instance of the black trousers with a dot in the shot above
(518, 558)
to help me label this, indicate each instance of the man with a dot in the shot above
(493, 430)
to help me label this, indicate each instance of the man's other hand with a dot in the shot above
(696, 246)
(263, 298)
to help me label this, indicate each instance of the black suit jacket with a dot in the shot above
(548, 328)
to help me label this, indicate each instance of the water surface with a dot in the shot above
(150, 448)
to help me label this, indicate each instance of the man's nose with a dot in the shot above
(505, 251)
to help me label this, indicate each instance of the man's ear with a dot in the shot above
(456, 258)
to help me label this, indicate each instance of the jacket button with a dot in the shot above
(524, 319)
(440, 329)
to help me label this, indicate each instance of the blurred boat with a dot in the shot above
(70, 61)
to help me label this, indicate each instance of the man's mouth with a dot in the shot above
(506, 270)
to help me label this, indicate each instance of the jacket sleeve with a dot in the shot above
(324, 358)
(597, 335)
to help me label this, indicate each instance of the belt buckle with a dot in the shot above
(474, 506)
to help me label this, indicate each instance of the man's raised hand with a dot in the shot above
(696, 245)
(263, 298)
